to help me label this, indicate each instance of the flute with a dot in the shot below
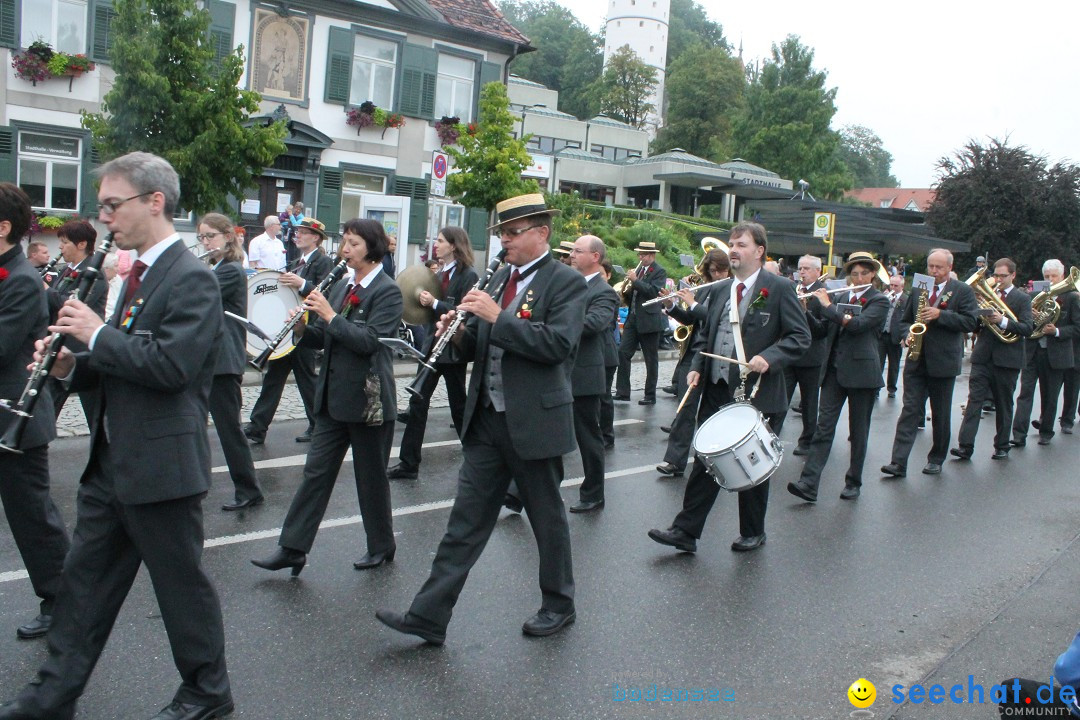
(674, 295)
(850, 288)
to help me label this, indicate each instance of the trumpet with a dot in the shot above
(672, 296)
(625, 288)
(260, 362)
(850, 288)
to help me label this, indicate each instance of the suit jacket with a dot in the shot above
(353, 351)
(854, 347)
(1059, 350)
(462, 281)
(611, 348)
(777, 331)
(647, 287)
(588, 377)
(155, 377)
(943, 343)
(24, 316)
(896, 323)
(989, 350)
(819, 331)
(539, 354)
(314, 270)
(232, 282)
(65, 287)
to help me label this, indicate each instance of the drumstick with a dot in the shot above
(685, 397)
(727, 359)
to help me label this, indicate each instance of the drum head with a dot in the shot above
(269, 303)
(726, 427)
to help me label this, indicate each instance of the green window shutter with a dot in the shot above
(328, 208)
(9, 29)
(419, 76)
(339, 57)
(102, 16)
(7, 154)
(222, 20)
(87, 189)
(477, 227)
(490, 72)
(417, 189)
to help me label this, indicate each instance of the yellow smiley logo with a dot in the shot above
(862, 693)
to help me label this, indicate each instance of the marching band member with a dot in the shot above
(355, 402)
(217, 237)
(851, 374)
(644, 325)
(611, 366)
(806, 372)
(774, 332)
(891, 342)
(950, 312)
(995, 366)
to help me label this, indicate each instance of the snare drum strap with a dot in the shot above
(736, 331)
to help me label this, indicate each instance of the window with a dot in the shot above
(49, 170)
(373, 70)
(454, 94)
(61, 23)
(354, 185)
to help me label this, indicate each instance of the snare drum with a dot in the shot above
(737, 447)
(269, 303)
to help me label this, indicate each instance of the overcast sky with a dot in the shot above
(927, 77)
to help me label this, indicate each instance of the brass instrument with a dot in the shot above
(918, 329)
(624, 288)
(1044, 307)
(987, 297)
(708, 244)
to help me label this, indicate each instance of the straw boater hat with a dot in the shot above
(565, 248)
(861, 257)
(646, 247)
(313, 225)
(521, 206)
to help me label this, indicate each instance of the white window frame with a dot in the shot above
(359, 59)
(458, 84)
(50, 162)
(30, 13)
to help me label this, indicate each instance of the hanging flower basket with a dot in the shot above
(368, 115)
(448, 129)
(41, 62)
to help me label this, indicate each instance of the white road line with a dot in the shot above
(355, 519)
(298, 460)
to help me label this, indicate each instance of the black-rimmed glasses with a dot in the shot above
(109, 206)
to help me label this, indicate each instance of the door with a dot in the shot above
(270, 197)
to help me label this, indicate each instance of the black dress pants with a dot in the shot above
(890, 352)
(607, 407)
(681, 437)
(301, 363)
(225, 403)
(809, 382)
(1071, 396)
(989, 382)
(860, 401)
(918, 388)
(590, 442)
(649, 344)
(413, 438)
(1050, 381)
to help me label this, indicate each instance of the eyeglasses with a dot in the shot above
(109, 206)
(516, 232)
(208, 236)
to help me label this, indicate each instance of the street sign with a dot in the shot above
(439, 162)
(823, 225)
(438, 188)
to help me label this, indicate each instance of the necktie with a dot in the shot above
(300, 264)
(511, 289)
(739, 290)
(134, 280)
(445, 281)
(348, 292)
(1001, 293)
(853, 299)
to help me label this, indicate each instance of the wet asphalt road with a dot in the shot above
(924, 580)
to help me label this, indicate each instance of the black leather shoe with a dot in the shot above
(1000, 454)
(512, 503)
(800, 450)
(1036, 424)
(609, 445)
(621, 398)
(403, 417)
(675, 537)
(1067, 428)
(669, 470)
(410, 625)
(1022, 442)
(255, 437)
(183, 711)
(895, 470)
(931, 469)
(304, 437)
(373, 560)
(34, 629)
(283, 558)
(669, 389)
(1044, 440)
(241, 504)
(587, 506)
(962, 453)
(665, 428)
(647, 401)
(892, 394)
(15, 710)
(401, 472)
(745, 544)
(850, 492)
(546, 623)
(801, 492)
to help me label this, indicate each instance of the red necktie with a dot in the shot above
(1001, 292)
(933, 296)
(445, 281)
(134, 280)
(739, 290)
(511, 289)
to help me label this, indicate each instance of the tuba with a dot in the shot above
(1044, 307)
(987, 298)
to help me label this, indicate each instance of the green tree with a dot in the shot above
(786, 124)
(1008, 202)
(690, 27)
(488, 162)
(171, 99)
(865, 155)
(625, 87)
(705, 91)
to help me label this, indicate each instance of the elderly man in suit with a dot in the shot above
(588, 379)
(950, 311)
(891, 341)
(851, 374)
(806, 372)
(774, 333)
(518, 421)
(644, 325)
(149, 467)
(996, 364)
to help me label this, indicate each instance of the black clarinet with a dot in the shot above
(51, 265)
(260, 362)
(428, 366)
(23, 409)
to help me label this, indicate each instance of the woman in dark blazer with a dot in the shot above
(218, 238)
(355, 401)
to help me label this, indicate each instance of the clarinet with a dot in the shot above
(260, 362)
(427, 367)
(51, 265)
(23, 409)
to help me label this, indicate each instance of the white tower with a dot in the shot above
(643, 25)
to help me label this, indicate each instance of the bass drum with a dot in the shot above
(269, 304)
(737, 447)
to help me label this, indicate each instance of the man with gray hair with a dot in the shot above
(140, 500)
(265, 251)
(806, 372)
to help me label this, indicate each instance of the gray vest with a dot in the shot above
(493, 378)
(724, 342)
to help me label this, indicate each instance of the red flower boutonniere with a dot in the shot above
(862, 300)
(944, 304)
(351, 301)
(4, 274)
(759, 301)
(524, 313)
(74, 275)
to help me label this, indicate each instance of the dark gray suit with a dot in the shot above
(777, 331)
(682, 427)
(1048, 359)
(611, 365)
(889, 345)
(643, 327)
(353, 361)
(525, 443)
(806, 372)
(141, 496)
(588, 381)
(36, 525)
(63, 288)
